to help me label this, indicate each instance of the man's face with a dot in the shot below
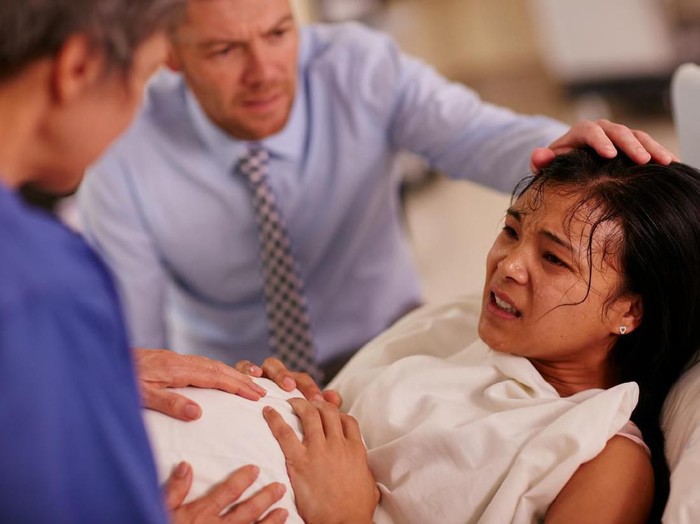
(239, 58)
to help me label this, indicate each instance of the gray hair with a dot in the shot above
(35, 29)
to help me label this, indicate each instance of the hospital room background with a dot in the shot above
(563, 58)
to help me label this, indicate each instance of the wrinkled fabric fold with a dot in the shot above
(459, 433)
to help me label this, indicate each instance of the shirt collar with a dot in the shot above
(287, 144)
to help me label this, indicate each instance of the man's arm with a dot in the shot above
(465, 137)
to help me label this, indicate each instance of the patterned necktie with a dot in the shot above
(287, 314)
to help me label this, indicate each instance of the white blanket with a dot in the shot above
(466, 434)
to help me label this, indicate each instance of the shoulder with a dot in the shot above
(615, 486)
(41, 244)
(48, 265)
(59, 311)
(348, 37)
(352, 62)
(348, 48)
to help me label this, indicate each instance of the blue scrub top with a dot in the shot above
(73, 447)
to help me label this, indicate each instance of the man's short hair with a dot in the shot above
(36, 29)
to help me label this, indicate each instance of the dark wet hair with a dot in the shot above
(657, 209)
(35, 29)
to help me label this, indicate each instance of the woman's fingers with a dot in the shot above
(351, 428)
(332, 396)
(310, 418)
(328, 470)
(248, 368)
(330, 418)
(284, 434)
(276, 371)
(308, 387)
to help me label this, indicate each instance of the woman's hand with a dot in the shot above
(329, 472)
(208, 508)
(160, 369)
(605, 137)
(276, 371)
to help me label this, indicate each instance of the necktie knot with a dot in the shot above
(254, 165)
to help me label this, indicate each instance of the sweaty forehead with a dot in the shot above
(569, 215)
(557, 204)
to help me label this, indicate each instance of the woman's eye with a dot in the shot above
(510, 232)
(553, 259)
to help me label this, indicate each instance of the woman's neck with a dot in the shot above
(569, 378)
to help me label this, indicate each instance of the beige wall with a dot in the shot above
(304, 9)
(481, 36)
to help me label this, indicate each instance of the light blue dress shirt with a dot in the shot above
(174, 221)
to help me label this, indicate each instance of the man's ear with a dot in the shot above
(626, 314)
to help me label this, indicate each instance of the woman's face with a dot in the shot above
(543, 299)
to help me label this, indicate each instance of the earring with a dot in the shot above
(623, 330)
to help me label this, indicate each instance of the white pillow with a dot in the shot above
(681, 424)
(215, 445)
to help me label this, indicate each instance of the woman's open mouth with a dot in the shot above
(504, 307)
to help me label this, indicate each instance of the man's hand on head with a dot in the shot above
(606, 138)
(159, 370)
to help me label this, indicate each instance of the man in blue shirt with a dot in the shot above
(332, 106)
(73, 447)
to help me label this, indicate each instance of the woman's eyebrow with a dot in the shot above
(554, 238)
(518, 215)
(514, 213)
